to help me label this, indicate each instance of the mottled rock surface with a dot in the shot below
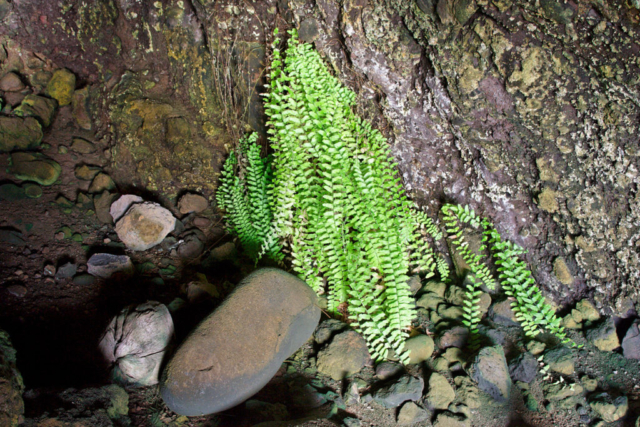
(489, 370)
(405, 388)
(523, 368)
(35, 167)
(17, 133)
(61, 86)
(105, 265)
(120, 206)
(440, 393)
(144, 225)
(561, 360)
(604, 335)
(278, 313)
(345, 355)
(192, 203)
(135, 343)
(631, 342)
(610, 409)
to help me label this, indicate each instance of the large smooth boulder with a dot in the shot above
(136, 341)
(237, 349)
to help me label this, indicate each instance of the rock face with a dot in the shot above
(410, 413)
(609, 409)
(11, 386)
(106, 265)
(345, 355)
(144, 226)
(11, 82)
(120, 206)
(440, 393)
(523, 368)
(604, 336)
(561, 360)
(39, 107)
(631, 342)
(453, 337)
(489, 370)
(136, 341)
(61, 86)
(406, 388)
(235, 351)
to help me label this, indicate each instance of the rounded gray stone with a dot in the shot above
(237, 349)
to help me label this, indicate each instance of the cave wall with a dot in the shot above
(528, 111)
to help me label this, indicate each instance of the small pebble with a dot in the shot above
(60, 236)
(49, 270)
(19, 272)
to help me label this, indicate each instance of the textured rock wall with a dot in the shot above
(528, 111)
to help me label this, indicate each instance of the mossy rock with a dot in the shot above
(39, 107)
(17, 133)
(61, 86)
(35, 167)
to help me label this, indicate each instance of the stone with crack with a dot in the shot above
(135, 343)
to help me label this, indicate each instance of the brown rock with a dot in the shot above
(562, 272)
(17, 133)
(102, 203)
(80, 103)
(86, 172)
(346, 355)
(101, 182)
(35, 167)
(82, 146)
(39, 107)
(192, 203)
(11, 82)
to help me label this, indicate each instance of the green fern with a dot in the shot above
(245, 200)
(338, 202)
(515, 278)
